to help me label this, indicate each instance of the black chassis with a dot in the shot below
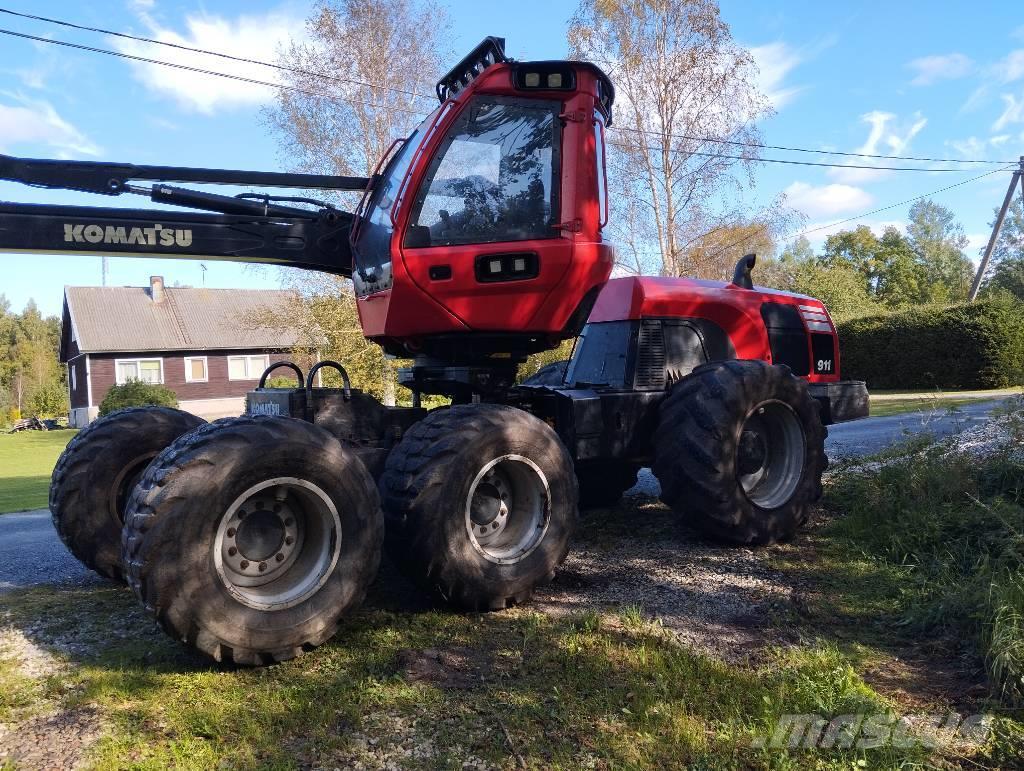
(606, 409)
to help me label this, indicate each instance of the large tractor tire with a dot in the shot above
(252, 537)
(552, 374)
(603, 483)
(95, 475)
(480, 501)
(740, 450)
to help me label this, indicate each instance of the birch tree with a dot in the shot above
(362, 77)
(682, 85)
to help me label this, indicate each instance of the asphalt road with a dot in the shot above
(31, 554)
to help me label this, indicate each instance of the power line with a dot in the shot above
(308, 92)
(790, 149)
(786, 238)
(245, 60)
(804, 163)
(201, 71)
(363, 84)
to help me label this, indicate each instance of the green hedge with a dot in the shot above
(980, 345)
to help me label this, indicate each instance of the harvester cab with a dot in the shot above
(477, 241)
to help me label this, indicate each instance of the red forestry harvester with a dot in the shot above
(477, 242)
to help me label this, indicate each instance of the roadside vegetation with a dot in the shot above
(939, 535)
(26, 462)
(936, 403)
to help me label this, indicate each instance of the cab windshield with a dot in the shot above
(494, 178)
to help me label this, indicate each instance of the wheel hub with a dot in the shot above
(753, 451)
(260, 535)
(261, 538)
(489, 507)
(770, 455)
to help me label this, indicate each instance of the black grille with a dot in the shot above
(824, 349)
(650, 356)
(787, 337)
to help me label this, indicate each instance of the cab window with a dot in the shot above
(495, 177)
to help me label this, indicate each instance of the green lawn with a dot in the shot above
(922, 404)
(26, 461)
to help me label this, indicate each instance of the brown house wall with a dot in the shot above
(104, 373)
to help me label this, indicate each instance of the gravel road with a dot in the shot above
(31, 554)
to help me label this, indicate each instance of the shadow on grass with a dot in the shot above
(432, 688)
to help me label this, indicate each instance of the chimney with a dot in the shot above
(156, 288)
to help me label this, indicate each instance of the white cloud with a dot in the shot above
(826, 200)
(774, 62)
(38, 123)
(975, 148)
(1013, 112)
(1011, 67)
(887, 136)
(252, 36)
(931, 69)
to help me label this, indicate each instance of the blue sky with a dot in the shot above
(911, 78)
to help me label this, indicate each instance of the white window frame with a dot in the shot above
(188, 369)
(138, 365)
(247, 357)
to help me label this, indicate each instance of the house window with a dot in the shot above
(74, 381)
(195, 369)
(247, 367)
(146, 370)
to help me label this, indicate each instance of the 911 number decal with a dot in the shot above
(824, 365)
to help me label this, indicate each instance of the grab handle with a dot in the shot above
(291, 365)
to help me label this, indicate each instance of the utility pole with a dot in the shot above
(103, 270)
(1018, 177)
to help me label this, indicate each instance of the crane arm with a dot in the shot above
(246, 228)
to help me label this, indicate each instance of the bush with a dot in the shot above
(979, 345)
(49, 400)
(135, 393)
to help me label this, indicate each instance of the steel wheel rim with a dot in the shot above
(277, 543)
(508, 509)
(770, 455)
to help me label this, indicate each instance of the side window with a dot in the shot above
(494, 179)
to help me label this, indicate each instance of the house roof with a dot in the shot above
(127, 319)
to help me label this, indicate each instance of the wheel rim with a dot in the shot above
(277, 543)
(125, 482)
(508, 509)
(770, 455)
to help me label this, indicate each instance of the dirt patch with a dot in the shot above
(54, 741)
(719, 600)
(451, 668)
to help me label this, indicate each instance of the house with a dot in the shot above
(194, 341)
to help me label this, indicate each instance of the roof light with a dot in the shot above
(554, 80)
(532, 80)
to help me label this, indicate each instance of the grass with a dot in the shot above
(26, 462)
(579, 691)
(933, 404)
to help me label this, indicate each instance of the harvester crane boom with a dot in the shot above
(244, 228)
